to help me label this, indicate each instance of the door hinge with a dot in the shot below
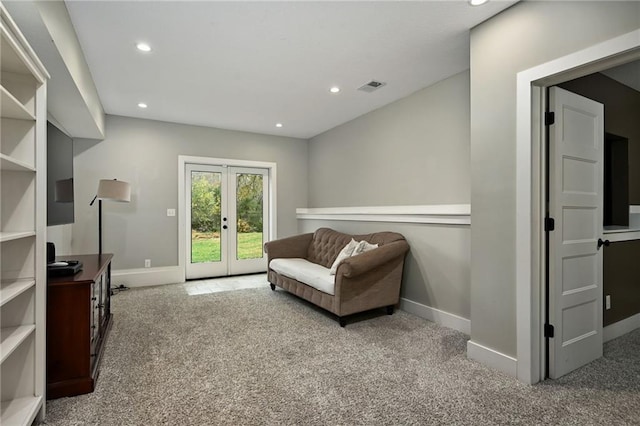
(549, 118)
(549, 224)
(548, 330)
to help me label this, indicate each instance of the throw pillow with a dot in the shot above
(362, 247)
(347, 251)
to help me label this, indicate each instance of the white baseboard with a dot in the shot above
(144, 277)
(442, 318)
(492, 358)
(620, 328)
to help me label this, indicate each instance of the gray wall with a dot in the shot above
(145, 154)
(523, 36)
(436, 269)
(621, 271)
(413, 151)
(61, 236)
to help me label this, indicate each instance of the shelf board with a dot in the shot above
(14, 165)
(10, 236)
(12, 108)
(20, 411)
(12, 60)
(10, 289)
(12, 337)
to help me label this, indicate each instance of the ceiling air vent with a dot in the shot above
(371, 86)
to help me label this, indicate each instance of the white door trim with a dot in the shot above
(529, 191)
(183, 160)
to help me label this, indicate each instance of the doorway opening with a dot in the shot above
(608, 269)
(226, 214)
(531, 180)
(227, 220)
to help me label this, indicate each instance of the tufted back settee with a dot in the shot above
(367, 281)
(327, 243)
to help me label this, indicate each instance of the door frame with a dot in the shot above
(183, 160)
(530, 186)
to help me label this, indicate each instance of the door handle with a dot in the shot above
(603, 243)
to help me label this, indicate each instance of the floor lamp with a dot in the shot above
(113, 190)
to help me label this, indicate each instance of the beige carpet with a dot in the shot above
(254, 356)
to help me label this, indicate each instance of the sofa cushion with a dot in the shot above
(347, 251)
(312, 274)
(325, 246)
(362, 247)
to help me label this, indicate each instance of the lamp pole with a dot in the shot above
(109, 190)
(99, 227)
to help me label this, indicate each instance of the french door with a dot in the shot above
(226, 219)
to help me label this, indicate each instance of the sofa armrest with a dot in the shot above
(295, 246)
(356, 265)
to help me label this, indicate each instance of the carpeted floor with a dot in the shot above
(255, 356)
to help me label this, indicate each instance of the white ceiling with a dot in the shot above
(249, 65)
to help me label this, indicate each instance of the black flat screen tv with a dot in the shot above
(59, 177)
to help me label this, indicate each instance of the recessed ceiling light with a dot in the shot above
(142, 105)
(477, 2)
(144, 47)
(334, 89)
(278, 124)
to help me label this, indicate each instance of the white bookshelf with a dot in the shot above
(12, 338)
(11, 164)
(10, 289)
(16, 411)
(23, 197)
(12, 108)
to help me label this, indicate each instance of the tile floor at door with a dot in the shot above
(214, 285)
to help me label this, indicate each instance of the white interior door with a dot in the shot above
(226, 219)
(576, 203)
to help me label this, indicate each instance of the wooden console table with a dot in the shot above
(78, 321)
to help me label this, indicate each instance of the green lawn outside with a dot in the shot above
(205, 247)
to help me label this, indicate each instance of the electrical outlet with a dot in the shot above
(171, 212)
(608, 301)
(147, 263)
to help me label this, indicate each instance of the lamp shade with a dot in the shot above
(64, 191)
(115, 190)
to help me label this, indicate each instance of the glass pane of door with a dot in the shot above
(206, 238)
(249, 216)
(227, 217)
